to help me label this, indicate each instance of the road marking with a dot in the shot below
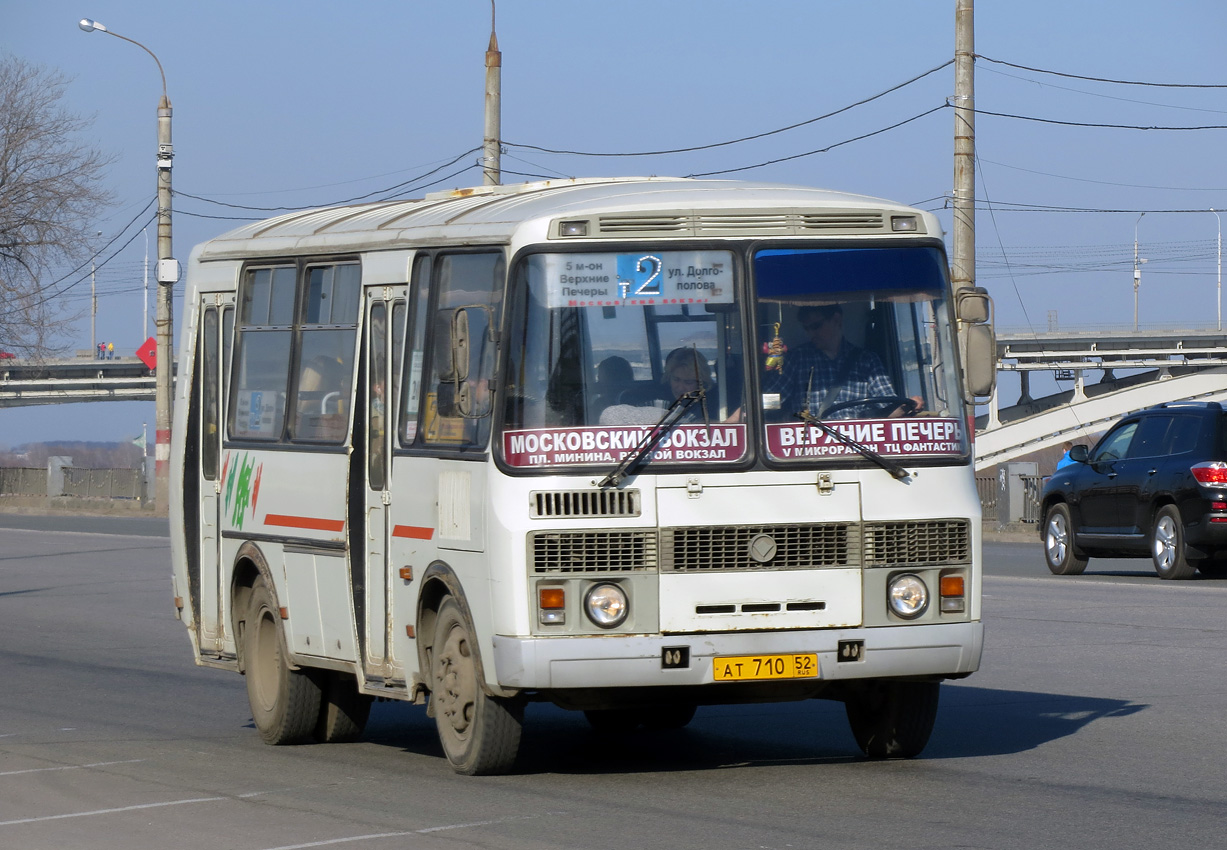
(426, 831)
(115, 810)
(69, 766)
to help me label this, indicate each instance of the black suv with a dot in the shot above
(1155, 485)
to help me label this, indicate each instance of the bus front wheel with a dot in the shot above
(893, 720)
(285, 703)
(480, 734)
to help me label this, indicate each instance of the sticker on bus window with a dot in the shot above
(540, 447)
(922, 435)
(639, 278)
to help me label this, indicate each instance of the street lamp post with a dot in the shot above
(167, 276)
(1137, 271)
(1219, 292)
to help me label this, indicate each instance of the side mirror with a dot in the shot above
(460, 344)
(979, 359)
(1079, 453)
(973, 305)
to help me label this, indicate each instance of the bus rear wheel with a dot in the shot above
(893, 720)
(285, 703)
(480, 734)
(343, 710)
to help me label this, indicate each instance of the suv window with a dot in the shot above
(1115, 445)
(1149, 439)
(1182, 436)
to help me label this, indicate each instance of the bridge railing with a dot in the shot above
(23, 481)
(988, 488)
(77, 483)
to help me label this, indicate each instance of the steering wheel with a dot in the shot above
(886, 402)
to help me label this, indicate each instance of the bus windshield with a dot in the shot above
(601, 344)
(856, 336)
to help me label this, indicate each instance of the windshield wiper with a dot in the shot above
(655, 435)
(896, 470)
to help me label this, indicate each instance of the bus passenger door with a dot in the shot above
(216, 330)
(385, 318)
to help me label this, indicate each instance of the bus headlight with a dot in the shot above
(907, 595)
(606, 605)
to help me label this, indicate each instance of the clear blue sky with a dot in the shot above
(308, 103)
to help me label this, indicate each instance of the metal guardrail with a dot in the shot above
(78, 483)
(23, 481)
(988, 488)
(1032, 485)
(102, 483)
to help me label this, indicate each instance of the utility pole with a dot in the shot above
(167, 277)
(491, 160)
(963, 235)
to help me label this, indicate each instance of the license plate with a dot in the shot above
(740, 668)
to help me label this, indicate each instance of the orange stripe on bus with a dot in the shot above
(414, 531)
(312, 523)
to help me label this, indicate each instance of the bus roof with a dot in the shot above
(493, 214)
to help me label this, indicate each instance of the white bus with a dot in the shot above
(587, 442)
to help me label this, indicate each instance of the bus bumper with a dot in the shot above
(614, 661)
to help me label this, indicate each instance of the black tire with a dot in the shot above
(893, 720)
(1060, 553)
(615, 721)
(674, 715)
(285, 703)
(1167, 545)
(343, 710)
(1211, 568)
(480, 734)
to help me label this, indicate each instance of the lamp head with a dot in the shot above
(89, 26)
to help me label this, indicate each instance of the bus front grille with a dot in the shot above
(543, 504)
(917, 542)
(592, 551)
(759, 547)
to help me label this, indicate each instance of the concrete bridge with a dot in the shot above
(1160, 366)
(1108, 372)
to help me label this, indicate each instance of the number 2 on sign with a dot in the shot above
(653, 265)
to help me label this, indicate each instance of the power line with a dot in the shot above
(1097, 125)
(822, 150)
(352, 200)
(1103, 79)
(694, 148)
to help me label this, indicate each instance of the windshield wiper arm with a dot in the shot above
(896, 470)
(654, 435)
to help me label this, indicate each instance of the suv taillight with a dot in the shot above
(1212, 473)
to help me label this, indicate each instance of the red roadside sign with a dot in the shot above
(148, 352)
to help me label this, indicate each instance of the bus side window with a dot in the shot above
(326, 354)
(473, 282)
(262, 361)
(416, 349)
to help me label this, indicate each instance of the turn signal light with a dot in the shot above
(552, 602)
(952, 594)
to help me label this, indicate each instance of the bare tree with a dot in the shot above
(50, 191)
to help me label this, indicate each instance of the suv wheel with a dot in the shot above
(1059, 551)
(1167, 545)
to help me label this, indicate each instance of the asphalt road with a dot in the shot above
(1093, 723)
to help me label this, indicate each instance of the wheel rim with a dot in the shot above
(1057, 540)
(456, 678)
(1165, 543)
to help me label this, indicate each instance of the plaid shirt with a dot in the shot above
(861, 371)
